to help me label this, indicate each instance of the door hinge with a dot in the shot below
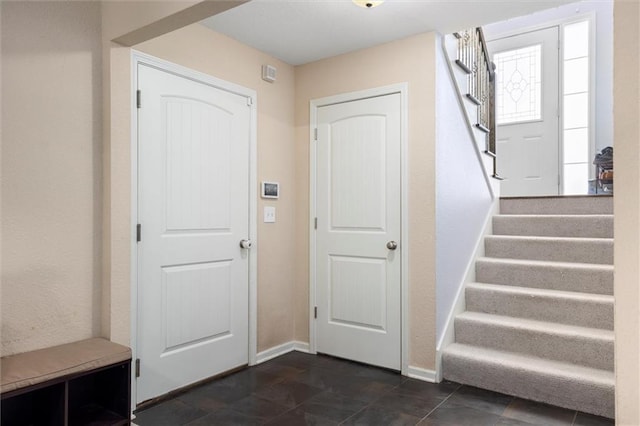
(315, 223)
(249, 101)
(138, 233)
(315, 134)
(139, 99)
(137, 367)
(315, 312)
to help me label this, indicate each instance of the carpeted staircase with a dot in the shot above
(539, 320)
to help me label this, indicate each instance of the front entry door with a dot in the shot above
(527, 97)
(193, 276)
(358, 245)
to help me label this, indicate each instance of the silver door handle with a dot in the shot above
(245, 244)
(392, 245)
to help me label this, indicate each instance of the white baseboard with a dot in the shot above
(301, 346)
(422, 374)
(282, 349)
(274, 352)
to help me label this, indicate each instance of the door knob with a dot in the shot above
(245, 244)
(392, 245)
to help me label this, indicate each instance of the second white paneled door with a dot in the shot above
(358, 247)
(193, 274)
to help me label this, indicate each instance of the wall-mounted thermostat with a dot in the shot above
(269, 73)
(270, 189)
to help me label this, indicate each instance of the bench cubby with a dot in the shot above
(81, 383)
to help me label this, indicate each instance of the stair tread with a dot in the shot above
(556, 197)
(559, 383)
(547, 263)
(543, 292)
(536, 325)
(527, 362)
(556, 215)
(557, 205)
(554, 225)
(550, 239)
(566, 249)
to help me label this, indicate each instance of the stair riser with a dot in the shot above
(560, 205)
(587, 279)
(555, 226)
(560, 250)
(587, 351)
(581, 395)
(584, 313)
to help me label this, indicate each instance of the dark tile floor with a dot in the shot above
(301, 389)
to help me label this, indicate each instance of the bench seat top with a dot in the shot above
(31, 368)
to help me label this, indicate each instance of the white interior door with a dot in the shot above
(527, 98)
(193, 276)
(358, 207)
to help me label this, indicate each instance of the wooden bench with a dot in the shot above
(86, 382)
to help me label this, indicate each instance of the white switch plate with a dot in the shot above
(269, 215)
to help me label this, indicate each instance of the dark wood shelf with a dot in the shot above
(96, 415)
(99, 397)
(42, 406)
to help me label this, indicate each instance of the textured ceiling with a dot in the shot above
(301, 31)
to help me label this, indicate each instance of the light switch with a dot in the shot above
(269, 215)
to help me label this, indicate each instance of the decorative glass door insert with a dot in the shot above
(519, 85)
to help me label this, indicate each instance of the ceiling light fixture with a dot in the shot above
(368, 4)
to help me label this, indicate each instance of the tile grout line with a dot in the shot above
(360, 410)
(295, 407)
(198, 418)
(206, 413)
(438, 406)
(369, 404)
(252, 394)
(288, 411)
(575, 416)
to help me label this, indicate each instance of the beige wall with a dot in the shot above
(627, 209)
(51, 173)
(204, 50)
(410, 60)
(116, 226)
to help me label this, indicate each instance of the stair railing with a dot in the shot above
(473, 57)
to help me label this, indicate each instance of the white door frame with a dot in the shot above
(403, 90)
(138, 58)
